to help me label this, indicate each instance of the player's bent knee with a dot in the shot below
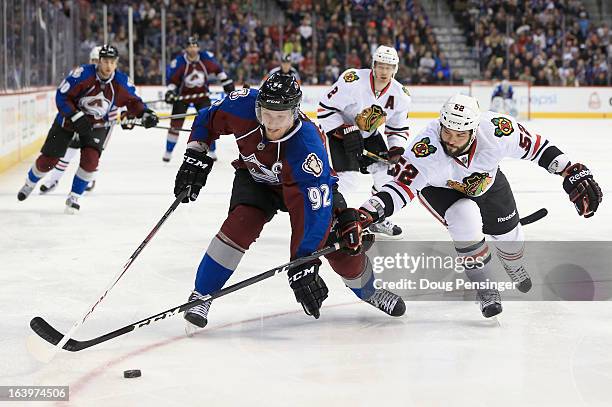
(243, 225)
(45, 163)
(89, 159)
(464, 221)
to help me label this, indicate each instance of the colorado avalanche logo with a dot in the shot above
(95, 105)
(472, 185)
(423, 148)
(196, 79)
(260, 172)
(350, 76)
(504, 126)
(313, 165)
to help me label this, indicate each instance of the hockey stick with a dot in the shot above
(48, 354)
(51, 335)
(534, 217)
(178, 116)
(179, 98)
(376, 157)
(162, 127)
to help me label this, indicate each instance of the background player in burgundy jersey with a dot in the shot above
(84, 100)
(188, 75)
(282, 166)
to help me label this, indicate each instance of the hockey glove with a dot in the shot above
(149, 119)
(192, 174)
(393, 155)
(352, 140)
(351, 224)
(81, 124)
(309, 289)
(127, 121)
(583, 191)
(371, 118)
(171, 96)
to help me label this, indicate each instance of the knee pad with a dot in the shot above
(464, 221)
(243, 225)
(45, 163)
(89, 159)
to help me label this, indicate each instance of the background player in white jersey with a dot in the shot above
(51, 180)
(502, 100)
(453, 167)
(285, 67)
(351, 113)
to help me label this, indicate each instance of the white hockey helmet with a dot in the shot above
(95, 53)
(460, 113)
(386, 55)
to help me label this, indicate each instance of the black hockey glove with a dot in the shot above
(149, 119)
(352, 141)
(351, 224)
(81, 124)
(230, 87)
(309, 289)
(393, 155)
(171, 96)
(127, 121)
(582, 189)
(192, 174)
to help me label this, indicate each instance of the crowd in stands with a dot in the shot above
(550, 42)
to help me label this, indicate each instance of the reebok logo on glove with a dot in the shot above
(579, 176)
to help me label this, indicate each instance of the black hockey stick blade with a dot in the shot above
(43, 329)
(534, 217)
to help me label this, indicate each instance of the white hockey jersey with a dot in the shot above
(353, 92)
(498, 136)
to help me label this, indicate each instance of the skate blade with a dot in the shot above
(69, 210)
(384, 236)
(190, 329)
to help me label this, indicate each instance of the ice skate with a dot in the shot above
(48, 186)
(196, 317)
(490, 302)
(389, 303)
(387, 230)
(72, 204)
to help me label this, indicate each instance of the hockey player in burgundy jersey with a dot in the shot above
(188, 75)
(84, 100)
(282, 166)
(453, 168)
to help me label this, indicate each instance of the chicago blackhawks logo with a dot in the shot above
(423, 148)
(350, 76)
(503, 126)
(472, 185)
(313, 165)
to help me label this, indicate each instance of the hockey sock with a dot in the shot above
(217, 265)
(362, 285)
(81, 180)
(476, 259)
(171, 140)
(34, 175)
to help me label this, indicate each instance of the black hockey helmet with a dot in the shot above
(286, 58)
(108, 51)
(279, 92)
(192, 40)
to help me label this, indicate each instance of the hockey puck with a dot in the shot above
(128, 374)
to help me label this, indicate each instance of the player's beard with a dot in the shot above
(456, 151)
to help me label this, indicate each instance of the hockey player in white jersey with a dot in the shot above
(352, 112)
(502, 100)
(51, 180)
(453, 168)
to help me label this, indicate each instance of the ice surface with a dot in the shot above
(260, 348)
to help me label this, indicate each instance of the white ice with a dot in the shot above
(260, 348)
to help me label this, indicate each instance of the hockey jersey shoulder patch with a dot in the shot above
(503, 126)
(350, 76)
(406, 91)
(423, 148)
(313, 165)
